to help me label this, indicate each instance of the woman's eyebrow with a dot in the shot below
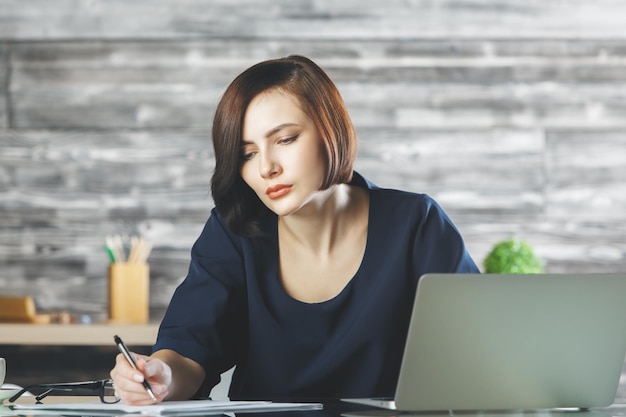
(271, 132)
(278, 128)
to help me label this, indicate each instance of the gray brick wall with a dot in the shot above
(511, 114)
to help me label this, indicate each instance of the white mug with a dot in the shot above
(3, 370)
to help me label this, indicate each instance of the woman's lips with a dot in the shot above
(278, 190)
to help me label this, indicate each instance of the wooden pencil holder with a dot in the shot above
(129, 292)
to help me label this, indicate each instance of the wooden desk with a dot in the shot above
(77, 334)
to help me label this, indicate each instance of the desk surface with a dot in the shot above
(77, 334)
(340, 409)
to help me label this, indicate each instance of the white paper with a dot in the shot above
(167, 407)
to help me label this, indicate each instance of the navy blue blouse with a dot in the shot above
(232, 309)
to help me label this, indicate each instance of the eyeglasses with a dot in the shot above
(102, 388)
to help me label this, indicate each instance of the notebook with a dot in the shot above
(498, 342)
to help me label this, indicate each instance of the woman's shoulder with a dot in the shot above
(394, 194)
(401, 208)
(396, 198)
(389, 192)
(405, 204)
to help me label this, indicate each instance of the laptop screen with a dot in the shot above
(514, 341)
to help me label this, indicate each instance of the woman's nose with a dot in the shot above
(269, 167)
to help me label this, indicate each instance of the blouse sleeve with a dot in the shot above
(206, 318)
(438, 245)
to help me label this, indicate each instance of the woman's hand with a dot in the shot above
(128, 381)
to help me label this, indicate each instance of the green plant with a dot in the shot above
(512, 256)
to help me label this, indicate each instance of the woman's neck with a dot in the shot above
(325, 220)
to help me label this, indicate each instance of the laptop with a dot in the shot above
(499, 342)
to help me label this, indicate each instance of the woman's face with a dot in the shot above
(281, 152)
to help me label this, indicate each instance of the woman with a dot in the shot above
(304, 275)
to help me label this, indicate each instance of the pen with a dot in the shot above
(122, 347)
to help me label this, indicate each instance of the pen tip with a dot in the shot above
(151, 394)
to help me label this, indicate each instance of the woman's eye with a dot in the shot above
(288, 140)
(246, 156)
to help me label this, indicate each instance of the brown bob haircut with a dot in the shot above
(238, 205)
